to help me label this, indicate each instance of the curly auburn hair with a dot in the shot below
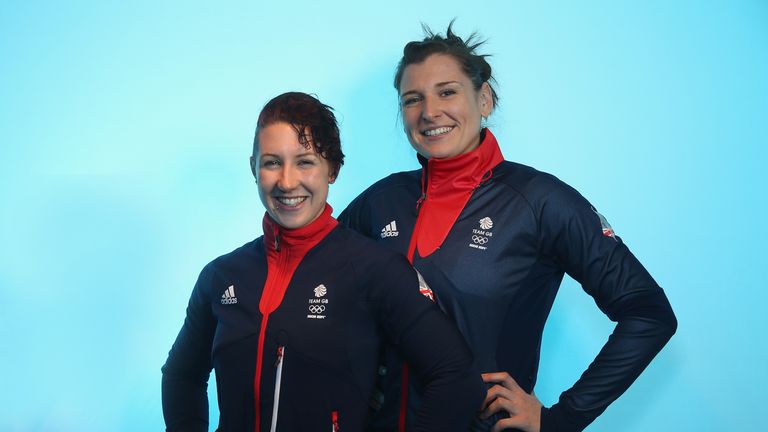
(313, 121)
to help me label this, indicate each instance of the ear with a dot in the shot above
(252, 161)
(486, 99)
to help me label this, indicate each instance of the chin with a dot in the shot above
(292, 223)
(441, 154)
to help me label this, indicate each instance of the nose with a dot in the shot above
(430, 109)
(288, 179)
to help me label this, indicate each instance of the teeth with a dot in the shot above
(438, 131)
(291, 201)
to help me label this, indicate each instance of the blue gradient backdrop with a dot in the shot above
(125, 130)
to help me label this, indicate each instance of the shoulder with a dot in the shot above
(540, 189)
(372, 263)
(238, 259)
(382, 274)
(393, 190)
(361, 250)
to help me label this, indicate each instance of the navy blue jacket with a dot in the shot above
(499, 268)
(321, 346)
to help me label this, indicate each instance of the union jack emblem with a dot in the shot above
(607, 230)
(424, 289)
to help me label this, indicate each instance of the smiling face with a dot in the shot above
(441, 109)
(293, 180)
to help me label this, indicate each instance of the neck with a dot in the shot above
(465, 171)
(277, 236)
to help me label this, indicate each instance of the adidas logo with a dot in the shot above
(229, 296)
(390, 230)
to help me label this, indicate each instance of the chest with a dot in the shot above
(321, 306)
(488, 252)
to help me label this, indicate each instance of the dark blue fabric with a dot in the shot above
(498, 280)
(330, 364)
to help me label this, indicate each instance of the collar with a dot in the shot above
(447, 185)
(301, 239)
(463, 172)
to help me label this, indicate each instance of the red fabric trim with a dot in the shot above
(285, 250)
(450, 183)
(257, 377)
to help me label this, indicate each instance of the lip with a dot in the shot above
(423, 132)
(431, 128)
(287, 207)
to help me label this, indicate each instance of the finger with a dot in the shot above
(509, 423)
(498, 391)
(494, 376)
(502, 378)
(498, 405)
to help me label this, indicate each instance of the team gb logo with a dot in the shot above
(486, 223)
(320, 290)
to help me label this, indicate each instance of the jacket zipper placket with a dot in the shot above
(278, 381)
(411, 256)
(417, 227)
(282, 259)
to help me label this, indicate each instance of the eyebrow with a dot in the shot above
(440, 84)
(305, 154)
(445, 83)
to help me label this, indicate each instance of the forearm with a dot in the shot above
(188, 367)
(644, 326)
(453, 391)
(185, 403)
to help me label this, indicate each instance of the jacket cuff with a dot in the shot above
(556, 419)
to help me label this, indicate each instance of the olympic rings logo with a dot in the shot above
(479, 239)
(316, 309)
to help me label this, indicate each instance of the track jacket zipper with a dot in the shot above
(285, 250)
(278, 380)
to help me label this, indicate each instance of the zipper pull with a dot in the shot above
(420, 200)
(279, 356)
(277, 239)
(335, 421)
(424, 185)
(486, 176)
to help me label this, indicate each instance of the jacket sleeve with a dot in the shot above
(432, 347)
(186, 372)
(582, 243)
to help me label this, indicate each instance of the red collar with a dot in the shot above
(299, 239)
(464, 172)
(447, 185)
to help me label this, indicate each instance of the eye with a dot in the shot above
(410, 100)
(270, 163)
(447, 92)
(306, 162)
